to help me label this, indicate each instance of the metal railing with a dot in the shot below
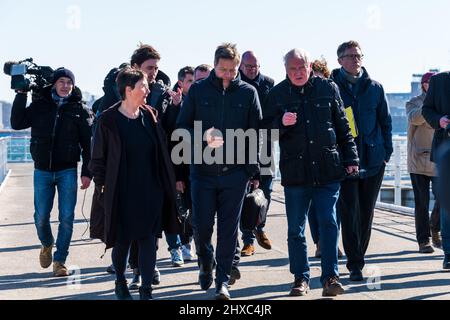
(19, 149)
(3, 158)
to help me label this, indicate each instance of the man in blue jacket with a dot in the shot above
(219, 181)
(372, 130)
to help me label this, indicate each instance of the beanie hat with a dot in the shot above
(426, 77)
(63, 72)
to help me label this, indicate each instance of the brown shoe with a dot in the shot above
(248, 250)
(299, 288)
(332, 287)
(59, 269)
(45, 256)
(436, 239)
(318, 253)
(425, 247)
(263, 240)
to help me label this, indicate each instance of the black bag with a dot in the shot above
(254, 209)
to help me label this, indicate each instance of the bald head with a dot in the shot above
(249, 65)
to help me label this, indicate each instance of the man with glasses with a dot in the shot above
(250, 73)
(365, 99)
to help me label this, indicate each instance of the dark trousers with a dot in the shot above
(224, 195)
(421, 188)
(356, 207)
(146, 258)
(133, 259)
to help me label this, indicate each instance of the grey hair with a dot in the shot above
(297, 53)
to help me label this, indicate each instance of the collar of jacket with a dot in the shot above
(303, 90)
(337, 77)
(257, 80)
(218, 83)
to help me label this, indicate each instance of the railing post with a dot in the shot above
(398, 174)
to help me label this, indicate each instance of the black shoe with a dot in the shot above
(446, 264)
(122, 292)
(205, 277)
(145, 293)
(222, 292)
(111, 269)
(356, 275)
(156, 277)
(234, 275)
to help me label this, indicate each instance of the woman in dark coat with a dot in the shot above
(134, 197)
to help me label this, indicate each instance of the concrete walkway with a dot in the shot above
(395, 269)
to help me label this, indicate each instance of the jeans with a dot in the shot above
(44, 192)
(421, 188)
(223, 195)
(445, 230)
(314, 225)
(266, 185)
(298, 201)
(173, 241)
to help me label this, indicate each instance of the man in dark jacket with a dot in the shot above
(372, 130)
(436, 111)
(317, 151)
(222, 102)
(60, 130)
(250, 73)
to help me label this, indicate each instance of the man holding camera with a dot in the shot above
(436, 111)
(60, 131)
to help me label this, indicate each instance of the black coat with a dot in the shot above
(237, 107)
(105, 164)
(58, 134)
(435, 106)
(316, 150)
(373, 120)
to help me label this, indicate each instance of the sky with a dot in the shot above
(398, 38)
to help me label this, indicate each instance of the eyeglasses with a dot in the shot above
(353, 56)
(251, 66)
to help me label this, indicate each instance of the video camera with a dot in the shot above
(27, 76)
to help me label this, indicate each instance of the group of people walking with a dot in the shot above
(335, 136)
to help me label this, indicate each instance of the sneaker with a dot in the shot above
(263, 240)
(299, 288)
(59, 269)
(136, 281)
(436, 239)
(156, 277)
(248, 250)
(332, 287)
(234, 275)
(45, 256)
(318, 253)
(425, 247)
(222, 292)
(176, 257)
(186, 252)
(111, 269)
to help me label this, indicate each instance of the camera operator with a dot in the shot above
(436, 111)
(60, 130)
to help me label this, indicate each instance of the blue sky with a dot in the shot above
(90, 37)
